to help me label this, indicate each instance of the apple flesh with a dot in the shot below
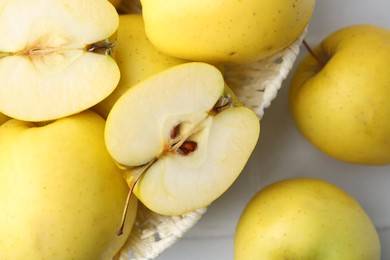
(61, 194)
(54, 57)
(183, 136)
(339, 96)
(305, 218)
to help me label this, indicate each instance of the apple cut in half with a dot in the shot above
(54, 56)
(182, 137)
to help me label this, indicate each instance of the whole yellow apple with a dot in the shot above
(224, 31)
(305, 219)
(61, 194)
(340, 99)
(137, 59)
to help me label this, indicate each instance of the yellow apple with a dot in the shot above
(61, 194)
(340, 99)
(224, 31)
(305, 219)
(137, 59)
(55, 57)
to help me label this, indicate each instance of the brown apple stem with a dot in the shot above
(135, 176)
(315, 56)
(126, 209)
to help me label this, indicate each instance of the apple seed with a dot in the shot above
(175, 131)
(187, 147)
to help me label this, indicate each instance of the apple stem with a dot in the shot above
(126, 209)
(315, 56)
(136, 175)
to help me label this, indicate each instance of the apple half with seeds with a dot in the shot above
(182, 137)
(54, 56)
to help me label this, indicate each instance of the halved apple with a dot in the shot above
(182, 138)
(54, 56)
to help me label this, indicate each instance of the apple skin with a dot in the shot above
(224, 31)
(136, 57)
(305, 218)
(343, 107)
(61, 194)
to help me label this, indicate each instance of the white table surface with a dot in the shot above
(283, 153)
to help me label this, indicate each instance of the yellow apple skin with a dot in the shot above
(305, 219)
(343, 107)
(136, 57)
(61, 194)
(224, 31)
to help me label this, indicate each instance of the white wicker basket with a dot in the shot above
(256, 85)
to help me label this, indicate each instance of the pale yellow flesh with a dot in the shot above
(46, 72)
(178, 184)
(224, 31)
(136, 57)
(61, 194)
(139, 129)
(142, 119)
(342, 108)
(305, 219)
(41, 96)
(88, 21)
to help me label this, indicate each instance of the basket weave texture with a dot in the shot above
(256, 85)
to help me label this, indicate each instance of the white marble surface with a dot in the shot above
(283, 153)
